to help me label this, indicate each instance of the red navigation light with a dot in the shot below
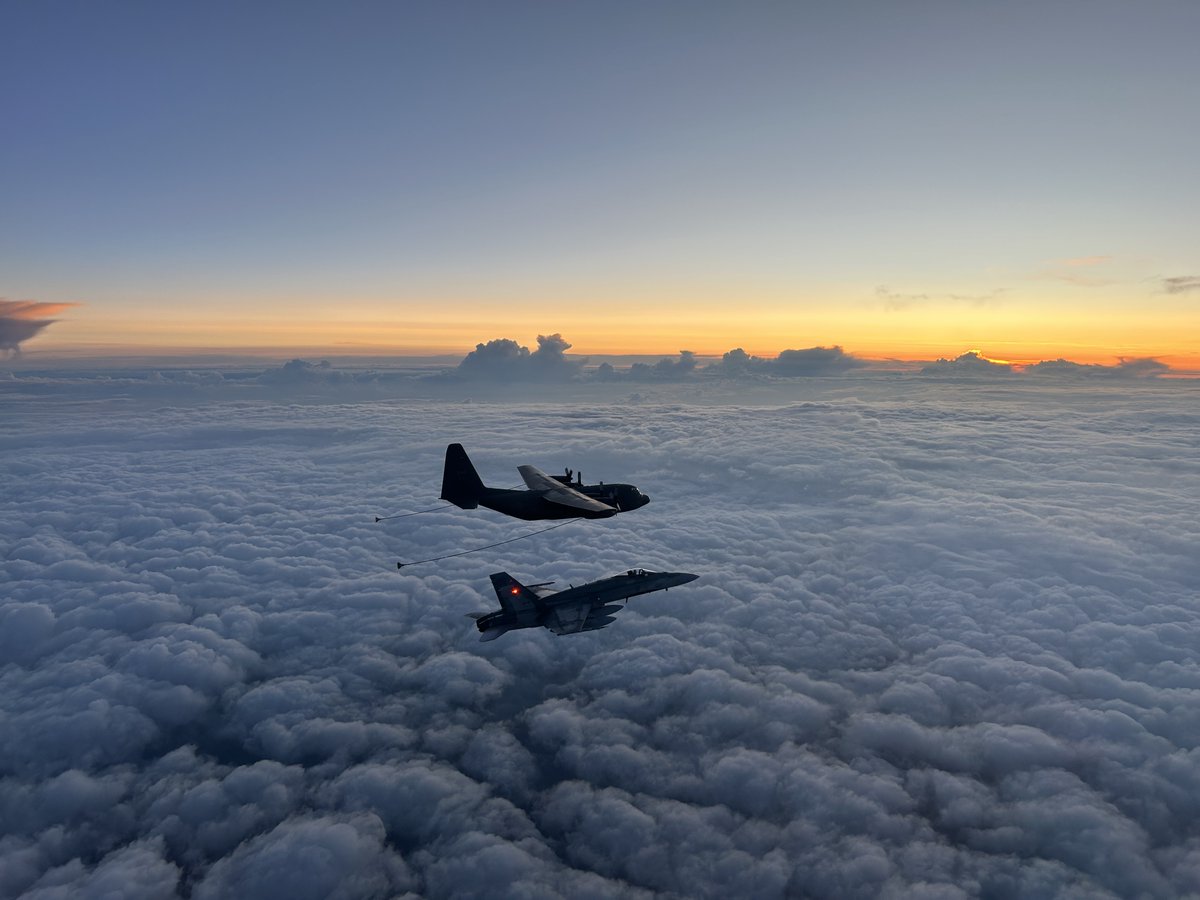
(516, 590)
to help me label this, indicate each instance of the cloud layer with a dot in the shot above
(944, 644)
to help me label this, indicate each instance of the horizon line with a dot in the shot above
(994, 351)
(1178, 365)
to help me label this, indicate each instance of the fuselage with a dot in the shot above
(531, 505)
(595, 594)
(545, 496)
(620, 587)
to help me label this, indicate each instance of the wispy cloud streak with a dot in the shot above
(1181, 284)
(21, 320)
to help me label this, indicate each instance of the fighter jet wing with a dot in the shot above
(569, 618)
(557, 492)
(582, 616)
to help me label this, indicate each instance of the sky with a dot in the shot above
(904, 180)
(944, 640)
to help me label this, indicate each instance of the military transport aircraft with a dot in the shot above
(584, 608)
(547, 496)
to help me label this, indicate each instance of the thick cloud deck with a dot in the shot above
(944, 644)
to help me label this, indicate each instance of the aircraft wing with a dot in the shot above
(557, 492)
(581, 616)
(569, 618)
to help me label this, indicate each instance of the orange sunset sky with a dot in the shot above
(413, 180)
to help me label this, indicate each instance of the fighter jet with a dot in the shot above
(547, 497)
(584, 608)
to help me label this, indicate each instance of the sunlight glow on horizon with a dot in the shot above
(368, 329)
(768, 177)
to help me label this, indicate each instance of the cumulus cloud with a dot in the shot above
(789, 363)
(665, 369)
(506, 360)
(814, 361)
(972, 364)
(738, 362)
(1141, 367)
(302, 371)
(944, 644)
(330, 857)
(21, 320)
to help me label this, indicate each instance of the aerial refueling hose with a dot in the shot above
(401, 565)
(417, 513)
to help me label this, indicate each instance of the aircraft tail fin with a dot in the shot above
(461, 484)
(515, 597)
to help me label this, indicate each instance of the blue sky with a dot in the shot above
(417, 160)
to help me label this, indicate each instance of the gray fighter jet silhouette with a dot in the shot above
(584, 608)
(547, 497)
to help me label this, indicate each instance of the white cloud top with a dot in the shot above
(944, 643)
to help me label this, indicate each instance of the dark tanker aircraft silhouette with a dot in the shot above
(546, 496)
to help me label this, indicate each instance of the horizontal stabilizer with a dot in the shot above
(476, 615)
(492, 633)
